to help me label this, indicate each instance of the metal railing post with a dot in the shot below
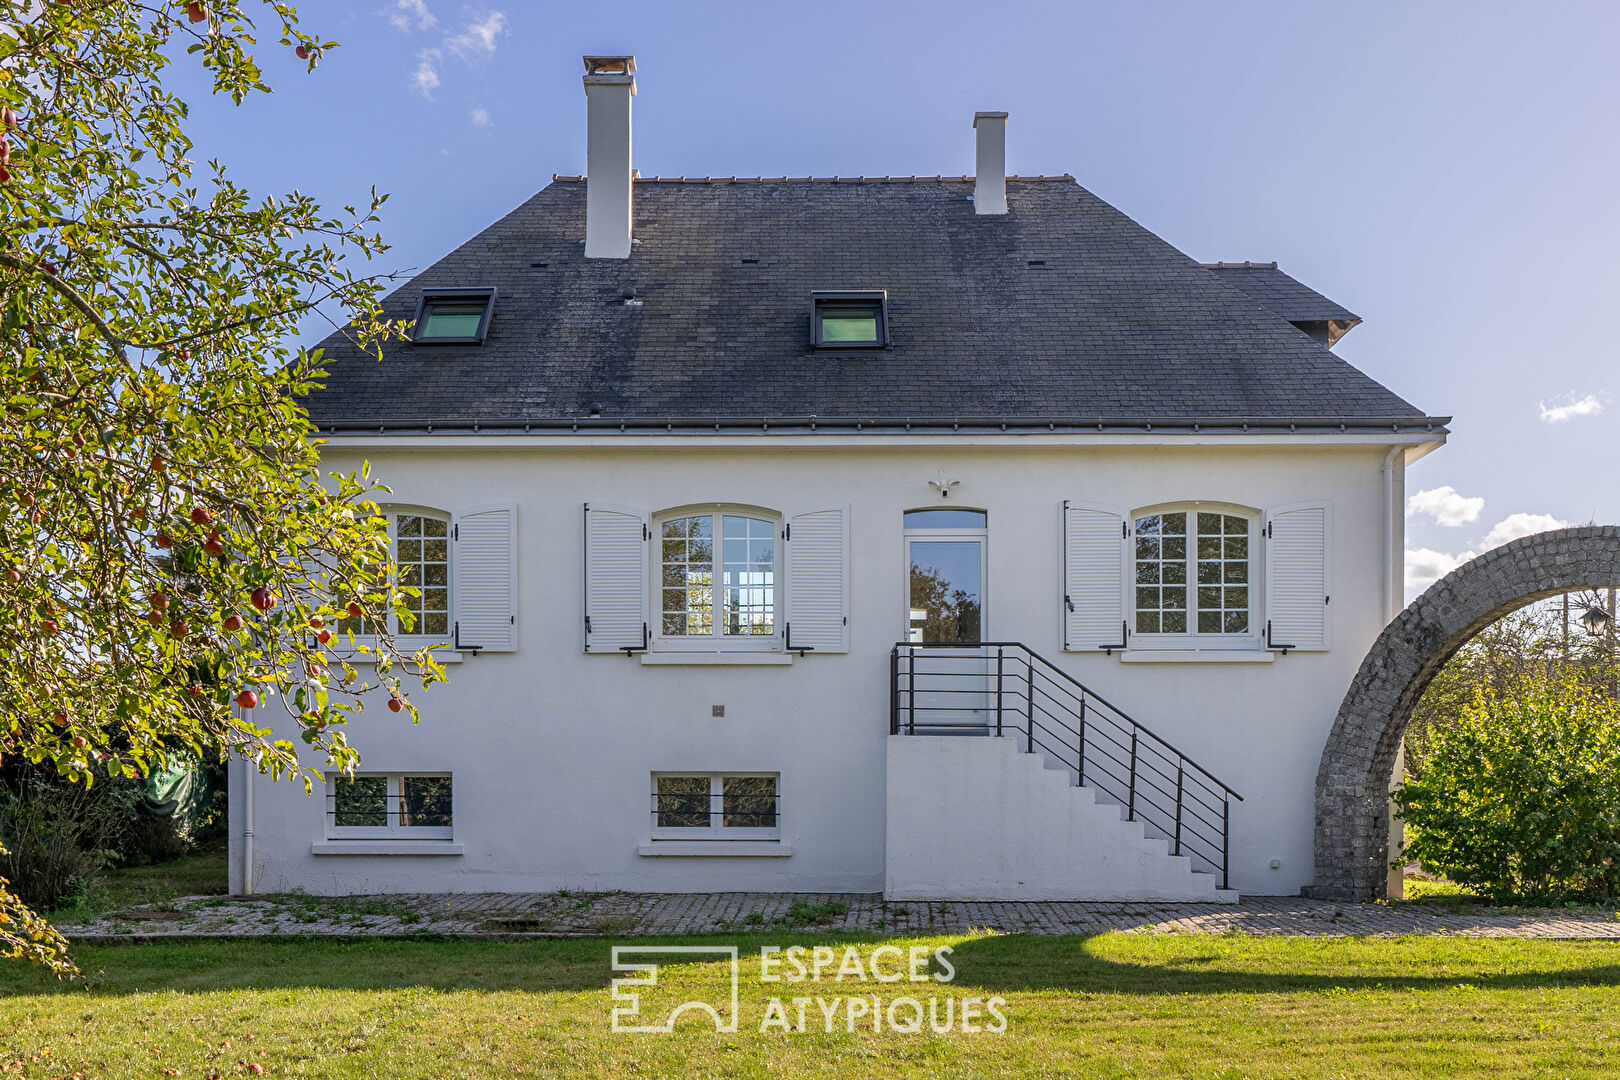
(1029, 705)
(1130, 802)
(1226, 832)
(1179, 781)
(999, 653)
(911, 691)
(894, 690)
(1081, 764)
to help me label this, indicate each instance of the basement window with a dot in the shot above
(850, 320)
(454, 316)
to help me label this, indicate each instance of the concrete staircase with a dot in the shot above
(980, 819)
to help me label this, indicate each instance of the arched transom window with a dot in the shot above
(717, 577)
(1194, 573)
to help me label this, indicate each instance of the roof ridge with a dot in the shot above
(1065, 177)
(1240, 265)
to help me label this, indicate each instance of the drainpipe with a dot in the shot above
(1393, 575)
(247, 829)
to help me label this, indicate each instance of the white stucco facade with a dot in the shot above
(551, 749)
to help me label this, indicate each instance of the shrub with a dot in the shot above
(1520, 795)
(58, 834)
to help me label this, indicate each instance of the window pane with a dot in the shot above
(451, 319)
(687, 576)
(849, 322)
(945, 519)
(422, 552)
(1161, 558)
(682, 802)
(361, 802)
(750, 575)
(1223, 552)
(1175, 622)
(749, 802)
(424, 802)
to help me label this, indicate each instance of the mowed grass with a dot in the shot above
(1107, 1006)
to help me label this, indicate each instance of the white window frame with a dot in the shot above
(1251, 640)
(393, 830)
(715, 831)
(416, 639)
(718, 641)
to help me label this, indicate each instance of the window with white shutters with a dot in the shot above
(1297, 583)
(616, 556)
(817, 542)
(1094, 568)
(1193, 578)
(483, 545)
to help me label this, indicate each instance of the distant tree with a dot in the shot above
(169, 551)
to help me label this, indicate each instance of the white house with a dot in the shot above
(756, 509)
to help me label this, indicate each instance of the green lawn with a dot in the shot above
(155, 883)
(1107, 1006)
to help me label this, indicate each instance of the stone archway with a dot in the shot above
(1352, 783)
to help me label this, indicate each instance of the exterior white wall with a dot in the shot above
(1052, 840)
(552, 749)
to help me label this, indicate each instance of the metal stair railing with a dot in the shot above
(1005, 688)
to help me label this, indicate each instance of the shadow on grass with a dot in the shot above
(1082, 965)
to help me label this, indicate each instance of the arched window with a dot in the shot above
(419, 541)
(1195, 573)
(717, 578)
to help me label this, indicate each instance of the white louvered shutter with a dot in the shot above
(615, 578)
(483, 578)
(1297, 586)
(817, 562)
(1095, 562)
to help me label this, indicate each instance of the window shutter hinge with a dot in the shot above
(646, 534)
(455, 531)
(787, 531)
(1124, 531)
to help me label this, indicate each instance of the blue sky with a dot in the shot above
(1447, 171)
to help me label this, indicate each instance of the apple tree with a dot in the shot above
(173, 564)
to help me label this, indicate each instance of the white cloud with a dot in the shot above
(426, 79)
(479, 36)
(1423, 566)
(480, 117)
(1514, 526)
(1445, 506)
(408, 11)
(1590, 405)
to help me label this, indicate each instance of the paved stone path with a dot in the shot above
(566, 914)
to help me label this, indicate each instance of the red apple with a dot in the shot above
(262, 599)
(158, 465)
(13, 574)
(354, 610)
(59, 718)
(162, 540)
(5, 175)
(233, 622)
(395, 704)
(247, 699)
(302, 52)
(324, 636)
(200, 515)
(5, 151)
(8, 118)
(196, 11)
(49, 268)
(316, 622)
(78, 440)
(178, 629)
(195, 691)
(80, 741)
(214, 546)
(26, 498)
(49, 626)
(155, 618)
(139, 513)
(160, 600)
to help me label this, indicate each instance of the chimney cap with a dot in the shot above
(610, 65)
(988, 116)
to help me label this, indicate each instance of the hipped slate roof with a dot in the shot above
(1063, 314)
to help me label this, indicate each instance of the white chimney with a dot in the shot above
(610, 83)
(990, 163)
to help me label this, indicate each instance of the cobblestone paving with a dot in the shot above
(565, 914)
